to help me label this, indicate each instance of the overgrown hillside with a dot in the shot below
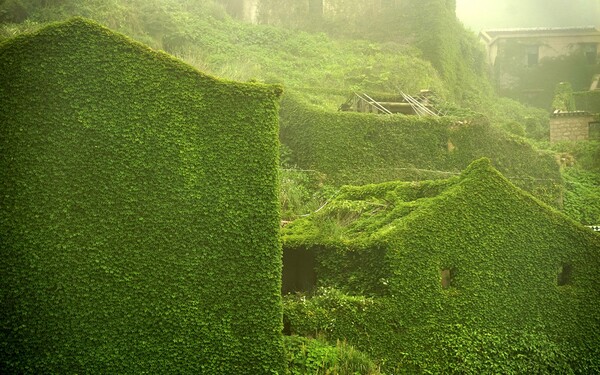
(416, 45)
(204, 35)
(152, 175)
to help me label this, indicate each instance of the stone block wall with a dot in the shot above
(570, 127)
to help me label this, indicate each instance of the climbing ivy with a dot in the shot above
(522, 295)
(139, 221)
(587, 101)
(358, 148)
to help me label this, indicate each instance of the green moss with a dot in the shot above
(563, 97)
(139, 212)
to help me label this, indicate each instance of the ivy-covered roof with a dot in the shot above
(362, 214)
(473, 252)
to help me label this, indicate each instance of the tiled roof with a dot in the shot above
(576, 30)
(559, 113)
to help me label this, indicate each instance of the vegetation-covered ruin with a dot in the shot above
(455, 272)
(130, 195)
(139, 197)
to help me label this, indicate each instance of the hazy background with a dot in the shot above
(489, 14)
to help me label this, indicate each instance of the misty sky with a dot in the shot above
(489, 14)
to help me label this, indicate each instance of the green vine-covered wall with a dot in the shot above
(466, 275)
(357, 148)
(139, 221)
(588, 101)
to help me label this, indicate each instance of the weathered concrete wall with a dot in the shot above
(288, 11)
(550, 42)
(570, 128)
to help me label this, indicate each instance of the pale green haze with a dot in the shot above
(490, 14)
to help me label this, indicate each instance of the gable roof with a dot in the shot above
(472, 251)
(367, 214)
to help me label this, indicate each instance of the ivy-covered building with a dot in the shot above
(465, 275)
(528, 63)
(357, 148)
(139, 211)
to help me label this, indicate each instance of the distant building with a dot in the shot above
(528, 63)
(531, 45)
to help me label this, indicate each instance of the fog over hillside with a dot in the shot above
(488, 14)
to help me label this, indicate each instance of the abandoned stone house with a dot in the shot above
(525, 61)
(574, 126)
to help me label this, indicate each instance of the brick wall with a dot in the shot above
(570, 128)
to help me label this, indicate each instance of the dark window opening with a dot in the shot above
(564, 274)
(298, 271)
(590, 52)
(594, 132)
(447, 275)
(287, 326)
(533, 55)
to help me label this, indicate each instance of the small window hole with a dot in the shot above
(447, 277)
(564, 274)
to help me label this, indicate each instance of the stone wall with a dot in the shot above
(567, 127)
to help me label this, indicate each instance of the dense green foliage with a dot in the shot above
(582, 196)
(313, 356)
(356, 148)
(581, 173)
(126, 189)
(506, 252)
(587, 101)
(563, 97)
(139, 222)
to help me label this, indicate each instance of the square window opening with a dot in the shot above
(533, 55)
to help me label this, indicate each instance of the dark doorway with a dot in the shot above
(298, 271)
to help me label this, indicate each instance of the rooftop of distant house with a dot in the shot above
(490, 35)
